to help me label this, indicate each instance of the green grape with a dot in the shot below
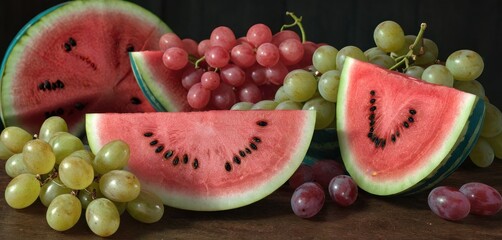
(88, 194)
(102, 217)
(76, 173)
(51, 126)
(280, 95)
(388, 36)
(300, 85)
(63, 212)
(84, 154)
(146, 208)
(465, 65)
(112, 156)
(415, 71)
(482, 154)
(121, 206)
(289, 105)
(325, 111)
(63, 144)
(242, 106)
(38, 156)
(15, 165)
(492, 124)
(408, 41)
(370, 52)
(438, 74)
(382, 60)
(496, 144)
(51, 190)
(14, 138)
(264, 105)
(5, 153)
(324, 58)
(349, 51)
(22, 191)
(473, 87)
(119, 185)
(429, 54)
(328, 85)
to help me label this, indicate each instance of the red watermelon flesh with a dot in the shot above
(73, 59)
(208, 160)
(398, 134)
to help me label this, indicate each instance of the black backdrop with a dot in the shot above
(452, 24)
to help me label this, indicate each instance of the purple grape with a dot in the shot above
(343, 190)
(449, 203)
(302, 175)
(485, 200)
(307, 200)
(324, 170)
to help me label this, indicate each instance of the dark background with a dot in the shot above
(452, 24)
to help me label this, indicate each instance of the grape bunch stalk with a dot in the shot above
(55, 167)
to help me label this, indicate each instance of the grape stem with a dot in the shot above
(406, 58)
(297, 21)
(196, 64)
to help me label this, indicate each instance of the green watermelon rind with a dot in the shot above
(48, 17)
(224, 202)
(140, 74)
(430, 171)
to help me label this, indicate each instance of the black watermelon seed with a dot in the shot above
(382, 143)
(372, 122)
(372, 129)
(370, 134)
(372, 108)
(185, 158)
(406, 125)
(377, 142)
(410, 119)
(72, 42)
(372, 100)
(256, 139)
(372, 116)
(228, 167)
(59, 84)
(236, 159)
(41, 86)
(195, 163)
(176, 160)
(154, 142)
(413, 112)
(130, 48)
(135, 101)
(54, 85)
(79, 106)
(248, 151)
(67, 47)
(47, 85)
(398, 134)
(168, 154)
(262, 123)
(253, 146)
(393, 138)
(242, 153)
(372, 92)
(148, 134)
(159, 149)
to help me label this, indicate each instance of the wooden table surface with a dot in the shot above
(371, 217)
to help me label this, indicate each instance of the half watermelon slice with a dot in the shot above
(72, 59)
(208, 160)
(400, 135)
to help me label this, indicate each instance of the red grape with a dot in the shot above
(190, 46)
(217, 56)
(448, 203)
(302, 175)
(210, 80)
(233, 75)
(198, 97)
(175, 58)
(485, 200)
(169, 40)
(326, 169)
(203, 46)
(307, 200)
(249, 92)
(291, 51)
(279, 37)
(343, 190)
(267, 55)
(190, 76)
(259, 34)
(224, 37)
(243, 55)
(223, 97)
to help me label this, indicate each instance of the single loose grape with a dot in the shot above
(307, 200)
(485, 200)
(448, 203)
(465, 65)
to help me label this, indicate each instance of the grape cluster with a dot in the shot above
(55, 167)
(471, 198)
(311, 184)
(223, 70)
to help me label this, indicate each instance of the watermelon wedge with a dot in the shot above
(72, 59)
(208, 160)
(400, 135)
(161, 86)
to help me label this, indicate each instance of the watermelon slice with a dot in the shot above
(400, 135)
(161, 86)
(72, 59)
(208, 160)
